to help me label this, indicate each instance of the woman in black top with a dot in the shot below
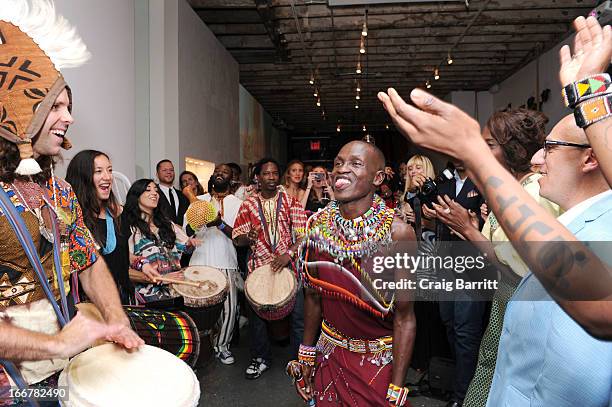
(90, 173)
(318, 191)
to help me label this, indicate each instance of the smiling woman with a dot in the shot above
(155, 243)
(90, 173)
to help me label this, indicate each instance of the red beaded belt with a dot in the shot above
(355, 345)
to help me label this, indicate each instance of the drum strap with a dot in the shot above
(16, 222)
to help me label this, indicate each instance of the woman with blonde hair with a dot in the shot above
(418, 169)
(293, 179)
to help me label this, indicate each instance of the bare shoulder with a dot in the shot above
(401, 231)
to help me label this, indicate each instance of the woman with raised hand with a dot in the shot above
(318, 191)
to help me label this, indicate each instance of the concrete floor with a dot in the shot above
(223, 385)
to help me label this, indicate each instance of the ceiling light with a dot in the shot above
(428, 85)
(387, 126)
(356, 106)
(357, 96)
(358, 87)
(311, 81)
(449, 59)
(316, 92)
(364, 128)
(319, 102)
(338, 128)
(436, 74)
(364, 29)
(362, 49)
(358, 70)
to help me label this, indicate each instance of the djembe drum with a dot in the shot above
(272, 295)
(204, 303)
(174, 332)
(108, 375)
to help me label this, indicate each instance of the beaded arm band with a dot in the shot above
(396, 396)
(307, 355)
(593, 110)
(139, 262)
(587, 88)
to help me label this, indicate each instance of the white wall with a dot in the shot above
(208, 101)
(522, 85)
(479, 105)
(103, 88)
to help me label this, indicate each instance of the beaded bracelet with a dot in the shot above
(593, 110)
(396, 395)
(139, 262)
(587, 88)
(307, 355)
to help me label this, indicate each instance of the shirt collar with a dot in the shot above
(572, 213)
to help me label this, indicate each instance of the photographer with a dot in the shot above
(418, 169)
(318, 192)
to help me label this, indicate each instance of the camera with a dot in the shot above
(429, 191)
(319, 176)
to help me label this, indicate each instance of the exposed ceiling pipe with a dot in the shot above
(299, 30)
(467, 28)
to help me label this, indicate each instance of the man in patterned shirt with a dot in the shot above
(35, 115)
(272, 224)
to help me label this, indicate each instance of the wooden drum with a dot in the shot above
(108, 375)
(204, 303)
(272, 295)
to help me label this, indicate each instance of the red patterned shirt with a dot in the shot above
(284, 224)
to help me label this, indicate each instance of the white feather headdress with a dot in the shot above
(52, 32)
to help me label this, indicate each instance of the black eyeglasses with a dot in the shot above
(555, 143)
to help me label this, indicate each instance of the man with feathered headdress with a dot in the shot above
(43, 239)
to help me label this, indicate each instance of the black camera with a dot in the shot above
(428, 193)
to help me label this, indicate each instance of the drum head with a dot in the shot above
(214, 283)
(108, 375)
(202, 273)
(265, 287)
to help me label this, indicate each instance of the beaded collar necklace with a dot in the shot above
(352, 238)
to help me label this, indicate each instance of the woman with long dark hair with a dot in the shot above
(90, 173)
(154, 241)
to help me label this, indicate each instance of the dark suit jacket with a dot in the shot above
(165, 207)
(469, 197)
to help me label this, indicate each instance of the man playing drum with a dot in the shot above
(272, 223)
(367, 335)
(218, 251)
(43, 237)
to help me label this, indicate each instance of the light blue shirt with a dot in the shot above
(545, 359)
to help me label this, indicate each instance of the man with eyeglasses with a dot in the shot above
(542, 348)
